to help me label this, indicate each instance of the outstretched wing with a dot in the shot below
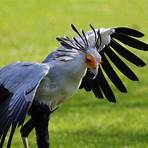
(112, 53)
(18, 84)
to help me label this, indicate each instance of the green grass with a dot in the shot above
(27, 33)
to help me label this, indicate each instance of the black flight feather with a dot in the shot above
(127, 54)
(6, 128)
(91, 84)
(14, 125)
(132, 42)
(85, 84)
(96, 88)
(112, 74)
(4, 94)
(120, 64)
(107, 91)
(129, 31)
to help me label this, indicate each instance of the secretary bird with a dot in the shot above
(38, 89)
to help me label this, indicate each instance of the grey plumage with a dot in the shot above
(22, 80)
(66, 70)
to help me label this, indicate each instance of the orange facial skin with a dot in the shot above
(91, 61)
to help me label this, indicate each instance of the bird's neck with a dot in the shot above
(62, 80)
(77, 66)
(69, 70)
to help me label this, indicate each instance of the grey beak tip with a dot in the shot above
(95, 72)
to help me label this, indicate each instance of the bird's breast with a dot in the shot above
(55, 93)
(61, 82)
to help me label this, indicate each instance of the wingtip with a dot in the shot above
(124, 90)
(135, 78)
(112, 100)
(142, 64)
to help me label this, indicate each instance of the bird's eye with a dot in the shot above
(89, 58)
(91, 61)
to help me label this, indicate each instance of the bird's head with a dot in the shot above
(93, 60)
(89, 44)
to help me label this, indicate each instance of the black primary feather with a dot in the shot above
(90, 84)
(132, 42)
(129, 31)
(6, 128)
(13, 115)
(14, 125)
(120, 64)
(85, 84)
(107, 91)
(127, 54)
(4, 94)
(95, 86)
(112, 74)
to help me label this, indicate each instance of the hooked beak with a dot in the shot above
(95, 72)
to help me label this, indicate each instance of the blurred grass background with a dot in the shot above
(28, 29)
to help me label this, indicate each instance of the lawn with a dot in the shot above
(28, 29)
